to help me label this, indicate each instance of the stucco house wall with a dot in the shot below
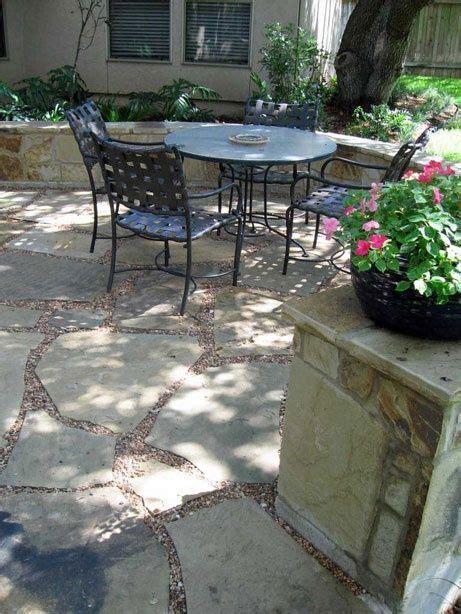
(43, 34)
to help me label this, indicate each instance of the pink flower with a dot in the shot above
(349, 210)
(363, 205)
(370, 225)
(425, 177)
(375, 188)
(437, 195)
(408, 174)
(377, 241)
(330, 225)
(363, 247)
(435, 167)
(372, 205)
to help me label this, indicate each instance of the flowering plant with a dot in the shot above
(410, 226)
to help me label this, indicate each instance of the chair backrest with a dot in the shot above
(288, 115)
(85, 120)
(146, 178)
(401, 161)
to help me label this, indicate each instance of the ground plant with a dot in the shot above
(412, 226)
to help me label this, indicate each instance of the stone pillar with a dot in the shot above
(363, 419)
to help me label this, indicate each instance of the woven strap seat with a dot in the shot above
(173, 227)
(328, 201)
(282, 177)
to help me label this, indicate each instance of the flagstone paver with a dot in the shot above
(14, 349)
(17, 317)
(79, 552)
(113, 379)
(48, 240)
(63, 209)
(163, 487)
(137, 251)
(154, 303)
(40, 277)
(77, 318)
(10, 229)
(235, 558)
(226, 421)
(248, 323)
(51, 454)
(11, 199)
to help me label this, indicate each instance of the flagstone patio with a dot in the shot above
(140, 449)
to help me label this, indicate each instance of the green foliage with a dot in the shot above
(417, 230)
(177, 101)
(292, 60)
(419, 84)
(381, 123)
(42, 99)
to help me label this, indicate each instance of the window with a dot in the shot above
(218, 32)
(139, 29)
(2, 33)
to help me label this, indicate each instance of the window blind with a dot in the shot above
(2, 33)
(139, 29)
(218, 32)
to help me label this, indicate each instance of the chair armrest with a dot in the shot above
(153, 144)
(229, 186)
(380, 167)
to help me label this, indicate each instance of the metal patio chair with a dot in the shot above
(148, 183)
(85, 120)
(329, 198)
(265, 113)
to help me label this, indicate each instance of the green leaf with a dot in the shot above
(402, 286)
(380, 264)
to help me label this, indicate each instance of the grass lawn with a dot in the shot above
(447, 85)
(445, 143)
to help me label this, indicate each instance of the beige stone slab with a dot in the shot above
(226, 421)
(113, 379)
(328, 313)
(18, 317)
(432, 368)
(46, 239)
(163, 487)
(235, 558)
(14, 350)
(79, 552)
(320, 354)
(52, 455)
(64, 209)
(332, 459)
(139, 251)
(154, 304)
(10, 229)
(250, 323)
(10, 199)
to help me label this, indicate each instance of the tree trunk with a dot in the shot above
(373, 47)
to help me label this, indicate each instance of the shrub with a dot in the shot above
(381, 123)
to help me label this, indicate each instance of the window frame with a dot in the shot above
(220, 64)
(5, 57)
(139, 60)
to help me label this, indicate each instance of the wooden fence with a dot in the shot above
(435, 41)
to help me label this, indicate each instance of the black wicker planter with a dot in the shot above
(406, 312)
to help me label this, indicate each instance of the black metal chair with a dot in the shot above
(265, 113)
(329, 198)
(148, 182)
(85, 120)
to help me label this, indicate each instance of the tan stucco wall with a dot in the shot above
(50, 29)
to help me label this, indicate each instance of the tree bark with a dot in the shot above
(372, 51)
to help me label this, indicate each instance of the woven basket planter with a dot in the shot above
(406, 312)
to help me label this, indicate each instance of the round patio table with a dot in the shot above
(284, 146)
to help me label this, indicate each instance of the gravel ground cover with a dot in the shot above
(111, 443)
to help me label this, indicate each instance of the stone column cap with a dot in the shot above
(431, 368)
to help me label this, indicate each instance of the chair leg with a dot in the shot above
(185, 295)
(289, 222)
(219, 202)
(308, 189)
(316, 233)
(95, 211)
(238, 251)
(113, 255)
(167, 253)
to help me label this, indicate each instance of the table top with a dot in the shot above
(285, 145)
